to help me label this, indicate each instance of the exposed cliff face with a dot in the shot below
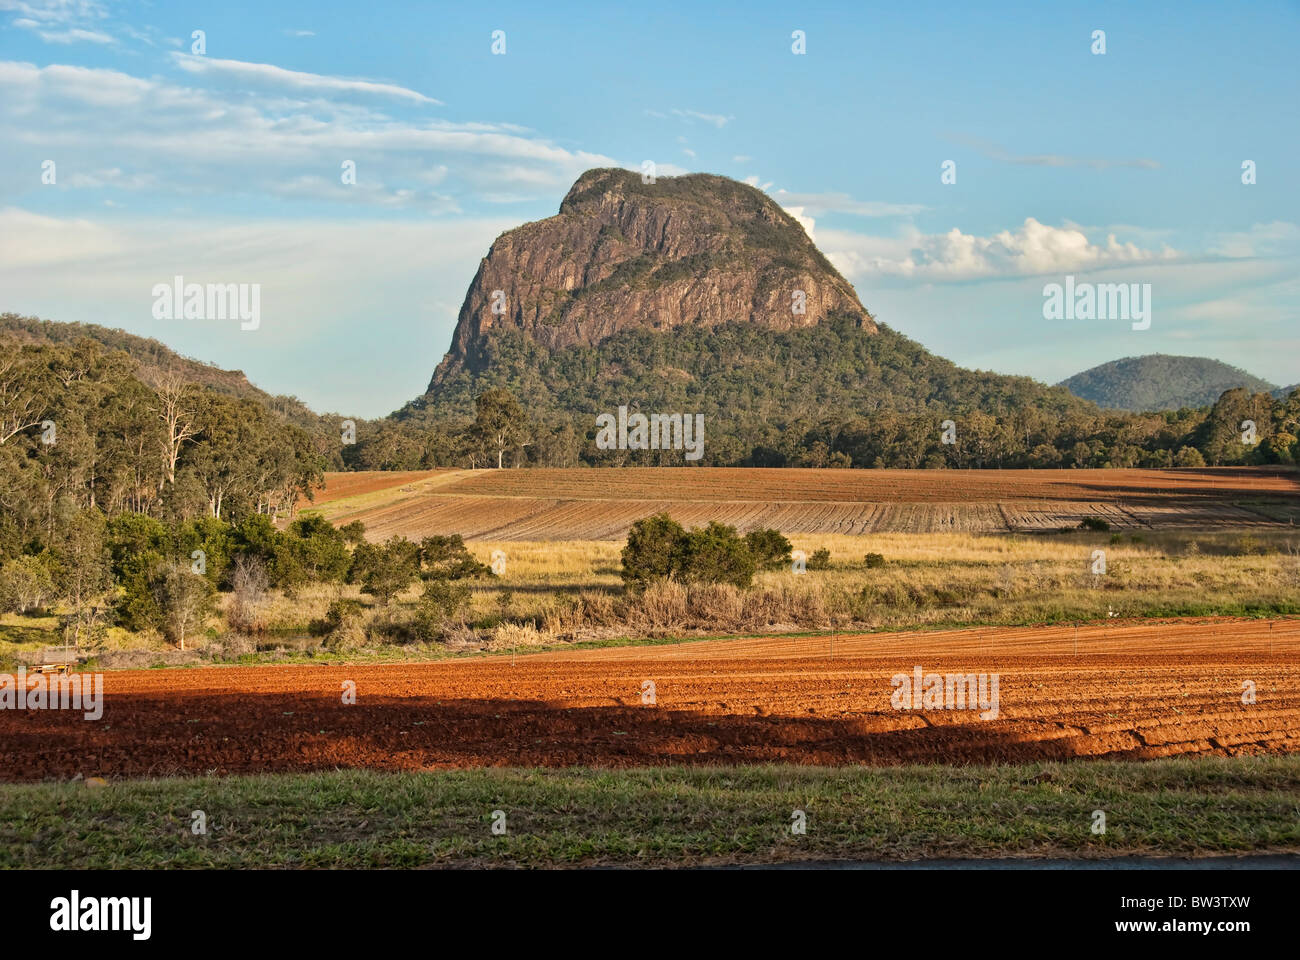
(699, 249)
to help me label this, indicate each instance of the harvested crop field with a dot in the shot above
(1131, 691)
(883, 486)
(601, 504)
(355, 483)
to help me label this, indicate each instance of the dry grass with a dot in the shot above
(566, 592)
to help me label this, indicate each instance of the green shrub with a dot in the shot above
(338, 613)
(820, 560)
(1094, 523)
(659, 548)
(441, 601)
(320, 550)
(654, 551)
(385, 570)
(874, 561)
(447, 558)
(715, 554)
(769, 549)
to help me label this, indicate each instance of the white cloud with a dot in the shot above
(192, 140)
(714, 119)
(56, 11)
(271, 75)
(1262, 239)
(1032, 249)
(60, 21)
(75, 35)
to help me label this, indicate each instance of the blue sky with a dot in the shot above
(225, 166)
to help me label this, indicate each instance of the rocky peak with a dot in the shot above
(621, 253)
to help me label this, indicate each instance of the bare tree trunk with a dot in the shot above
(177, 421)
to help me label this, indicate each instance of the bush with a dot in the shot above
(342, 626)
(385, 571)
(447, 558)
(340, 612)
(321, 551)
(659, 548)
(654, 550)
(444, 598)
(441, 601)
(874, 561)
(1094, 523)
(715, 554)
(769, 549)
(820, 560)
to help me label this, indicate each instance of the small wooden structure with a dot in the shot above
(57, 660)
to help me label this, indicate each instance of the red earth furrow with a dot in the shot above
(1134, 690)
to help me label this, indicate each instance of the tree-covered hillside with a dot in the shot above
(1161, 382)
(153, 359)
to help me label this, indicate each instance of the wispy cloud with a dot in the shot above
(714, 119)
(56, 11)
(996, 152)
(60, 21)
(691, 116)
(265, 74)
(190, 140)
(71, 35)
(1278, 238)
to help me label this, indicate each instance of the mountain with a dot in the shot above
(1161, 382)
(153, 359)
(676, 296)
(697, 250)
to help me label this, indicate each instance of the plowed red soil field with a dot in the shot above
(1121, 691)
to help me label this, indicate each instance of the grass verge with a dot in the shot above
(658, 816)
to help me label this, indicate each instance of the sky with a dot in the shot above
(134, 150)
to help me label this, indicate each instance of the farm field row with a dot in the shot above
(512, 518)
(877, 486)
(1132, 691)
(593, 504)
